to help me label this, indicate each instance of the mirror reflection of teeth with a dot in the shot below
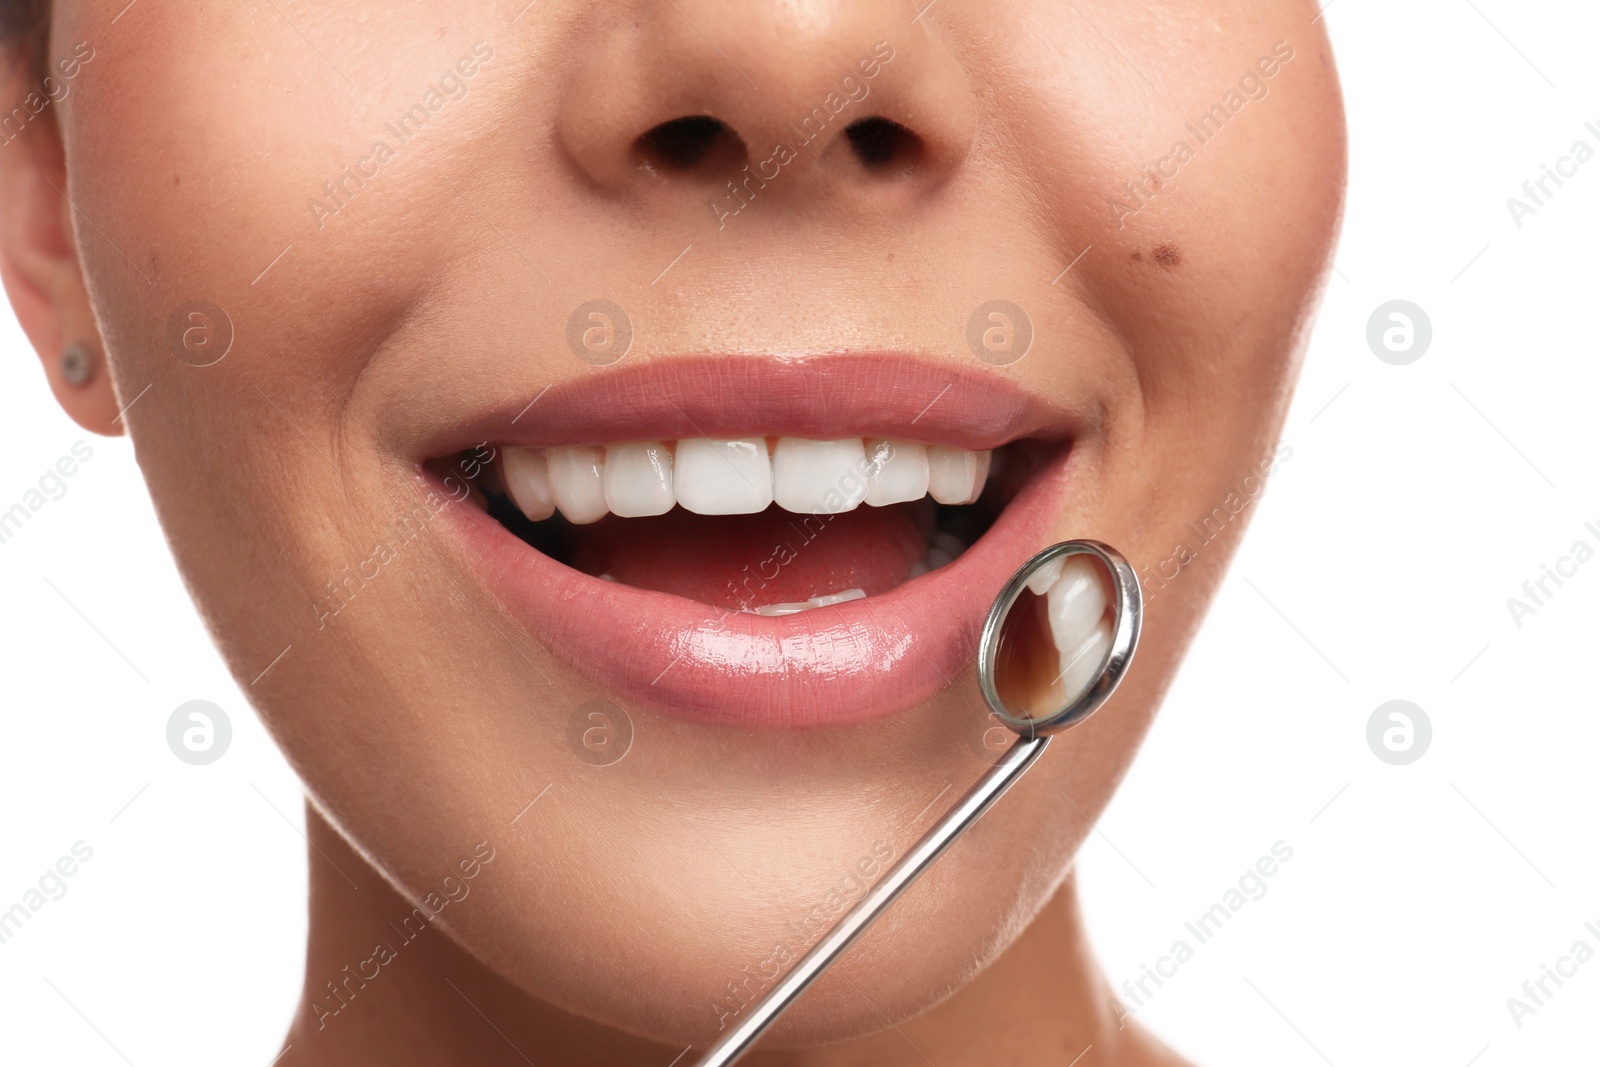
(1076, 606)
(740, 476)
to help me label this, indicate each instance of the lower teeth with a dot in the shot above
(944, 548)
(807, 605)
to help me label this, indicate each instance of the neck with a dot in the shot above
(382, 991)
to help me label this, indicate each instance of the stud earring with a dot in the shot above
(77, 364)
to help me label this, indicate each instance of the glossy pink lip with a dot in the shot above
(835, 665)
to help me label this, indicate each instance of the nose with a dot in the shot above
(779, 97)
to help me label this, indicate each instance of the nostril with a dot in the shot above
(688, 143)
(879, 143)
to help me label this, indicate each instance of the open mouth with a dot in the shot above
(767, 526)
(832, 568)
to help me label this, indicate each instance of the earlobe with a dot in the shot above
(78, 372)
(41, 272)
(82, 385)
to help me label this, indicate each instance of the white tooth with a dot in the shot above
(897, 472)
(527, 479)
(723, 477)
(782, 609)
(1081, 665)
(918, 569)
(818, 477)
(638, 479)
(949, 542)
(577, 482)
(824, 601)
(837, 598)
(1041, 580)
(936, 558)
(985, 465)
(956, 476)
(1075, 604)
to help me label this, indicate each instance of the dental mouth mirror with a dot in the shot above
(1056, 643)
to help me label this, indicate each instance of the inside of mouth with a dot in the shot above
(774, 561)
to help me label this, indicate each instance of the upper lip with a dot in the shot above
(834, 665)
(724, 397)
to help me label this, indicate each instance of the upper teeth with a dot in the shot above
(737, 477)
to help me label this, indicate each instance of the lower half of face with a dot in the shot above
(637, 409)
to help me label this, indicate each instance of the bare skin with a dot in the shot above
(195, 148)
(436, 1004)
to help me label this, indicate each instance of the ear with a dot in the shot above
(39, 253)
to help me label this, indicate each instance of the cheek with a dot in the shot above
(198, 140)
(1221, 226)
(1206, 243)
(220, 155)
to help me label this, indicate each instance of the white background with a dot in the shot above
(1418, 499)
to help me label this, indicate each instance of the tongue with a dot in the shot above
(751, 561)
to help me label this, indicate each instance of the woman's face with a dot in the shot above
(414, 236)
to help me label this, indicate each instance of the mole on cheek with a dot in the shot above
(1166, 254)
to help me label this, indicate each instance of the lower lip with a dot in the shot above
(842, 664)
